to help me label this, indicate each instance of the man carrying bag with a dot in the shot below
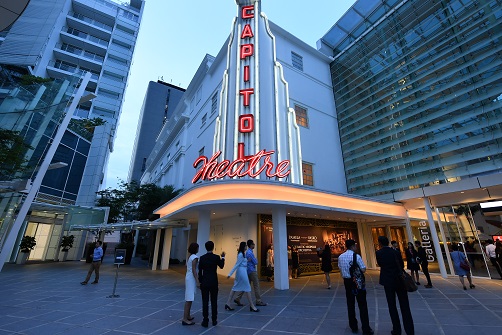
(352, 269)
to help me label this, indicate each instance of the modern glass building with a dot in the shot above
(418, 93)
(72, 37)
(418, 89)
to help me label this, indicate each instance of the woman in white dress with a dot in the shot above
(241, 282)
(191, 283)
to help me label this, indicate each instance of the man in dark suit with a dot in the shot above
(391, 266)
(424, 263)
(208, 279)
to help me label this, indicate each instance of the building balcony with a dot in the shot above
(88, 25)
(72, 54)
(88, 42)
(62, 69)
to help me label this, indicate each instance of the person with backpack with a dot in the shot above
(352, 269)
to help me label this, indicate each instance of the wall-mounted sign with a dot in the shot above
(239, 141)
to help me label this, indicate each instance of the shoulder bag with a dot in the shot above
(358, 280)
(406, 279)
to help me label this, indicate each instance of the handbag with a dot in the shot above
(405, 278)
(408, 282)
(357, 276)
(463, 264)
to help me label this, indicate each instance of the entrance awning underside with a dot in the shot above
(133, 225)
(229, 198)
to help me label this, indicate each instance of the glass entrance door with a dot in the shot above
(398, 234)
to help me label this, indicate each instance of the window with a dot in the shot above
(177, 144)
(308, 174)
(201, 152)
(214, 103)
(297, 61)
(301, 116)
(204, 118)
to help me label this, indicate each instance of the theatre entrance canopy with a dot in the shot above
(227, 198)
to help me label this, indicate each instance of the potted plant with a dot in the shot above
(27, 244)
(66, 244)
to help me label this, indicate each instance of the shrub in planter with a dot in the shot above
(27, 244)
(67, 242)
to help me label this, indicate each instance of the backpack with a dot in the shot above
(358, 280)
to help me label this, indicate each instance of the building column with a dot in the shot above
(156, 249)
(280, 234)
(409, 232)
(203, 229)
(136, 237)
(362, 242)
(435, 239)
(166, 249)
(443, 236)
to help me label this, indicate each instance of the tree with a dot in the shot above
(12, 151)
(132, 201)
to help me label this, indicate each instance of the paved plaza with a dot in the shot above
(39, 299)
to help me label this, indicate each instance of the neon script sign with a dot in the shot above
(243, 165)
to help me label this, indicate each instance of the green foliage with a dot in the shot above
(29, 79)
(12, 152)
(27, 244)
(89, 124)
(132, 201)
(67, 242)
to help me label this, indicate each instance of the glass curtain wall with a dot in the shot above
(418, 95)
(29, 116)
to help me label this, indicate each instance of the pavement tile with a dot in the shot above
(47, 299)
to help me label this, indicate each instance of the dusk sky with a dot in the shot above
(176, 35)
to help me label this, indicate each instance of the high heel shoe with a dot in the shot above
(228, 308)
(253, 310)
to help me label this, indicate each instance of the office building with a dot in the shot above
(160, 100)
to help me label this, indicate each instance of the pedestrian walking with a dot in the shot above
(326, 266)
(498, 252)
(208, 279)
(252, 276)
(191, 283)
(411, 262)
(424, 263)
(241, 282)
(457, 258)
(391, 266)
(345, 261)
(295, 262)
(97, 256)
(270, 263)
(491, 253)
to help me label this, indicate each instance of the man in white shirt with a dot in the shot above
(344, 263)
(490, 252)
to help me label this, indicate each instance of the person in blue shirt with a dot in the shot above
(252, 275)
(96, 263)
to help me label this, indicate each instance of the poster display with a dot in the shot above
(309, 238)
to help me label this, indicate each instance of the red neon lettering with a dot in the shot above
(246, 73)
(246, 93)
(213, 170)
(247, 32)
(240, 152)
(246, 123)
(247, 50)
(247, 12)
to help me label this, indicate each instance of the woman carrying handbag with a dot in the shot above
(461, 266)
